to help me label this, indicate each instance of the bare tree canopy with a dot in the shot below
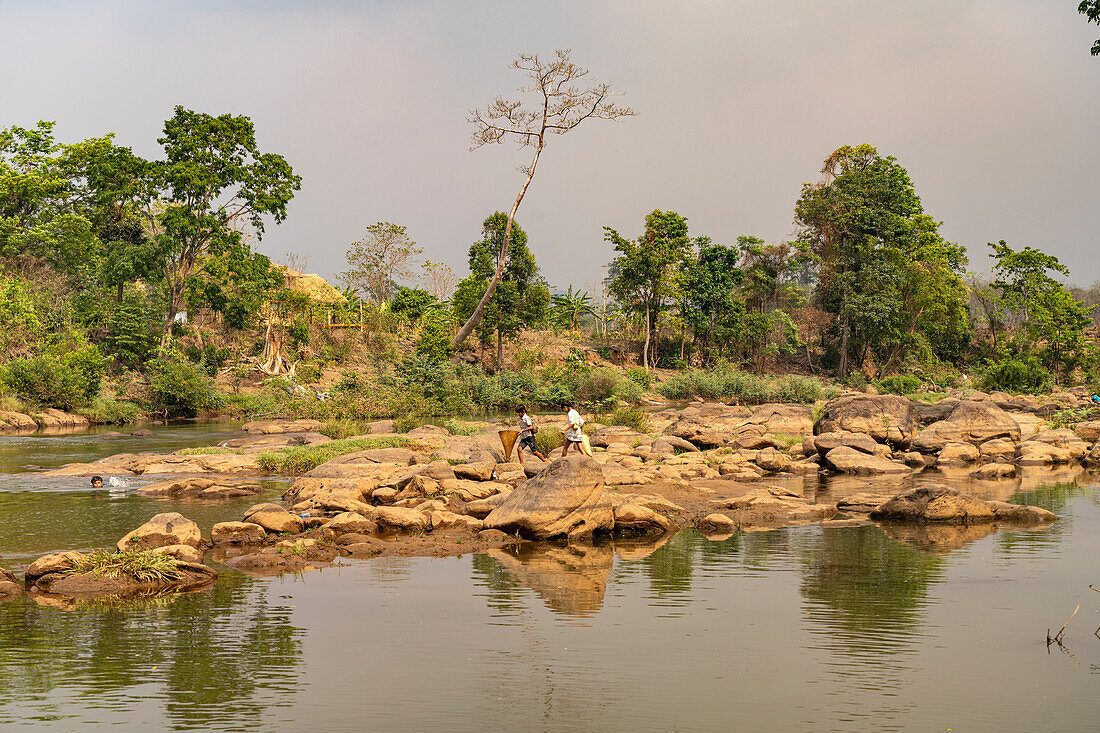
(378, 260)
(564, 98)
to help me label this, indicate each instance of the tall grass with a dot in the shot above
(751, 389)
(137, 564)
(300, 459)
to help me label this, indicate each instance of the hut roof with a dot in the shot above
(313, 285)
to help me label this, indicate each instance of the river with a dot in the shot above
(806, 628)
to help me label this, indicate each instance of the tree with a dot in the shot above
(438, 279)
(379, 260)
(1046, 315)
(569, 307)
(213, 182)
(713, 311)
(561, 105)
(883, 268)
(521, 299)
(1091, 10)
(644, 276)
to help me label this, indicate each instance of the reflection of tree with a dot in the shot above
(866, 583)
(222, 656)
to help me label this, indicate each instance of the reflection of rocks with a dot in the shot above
(938, 537)
(638, 548)
(9, 586)
(942, 504)
(570, 579)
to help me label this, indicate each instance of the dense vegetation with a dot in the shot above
(102, 251)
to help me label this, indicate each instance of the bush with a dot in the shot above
(630, 417)
(436, 326)
(179, 389)
(52, 381)
(902, 384)
(856, 380)
(411, 303)
(105, 412)
(307, 457)
(405, 423)
(752, 389)
(640, 377)
(1016, 374)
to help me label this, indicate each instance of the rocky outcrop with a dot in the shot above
(850, 460)
(200, 488)
(9, 586)
(716, 524)
(633, 517)
(190, 576)
(53, 419)
(946, 505)
(275, 427)
(16, 422)
(273, 518)
(237, 533)
(566, 499)
(130, 464)
(886, 418)
(784, 419)
(169, 528)
(1062, 438)
(969, 422)
(825, 442)
(958, 454)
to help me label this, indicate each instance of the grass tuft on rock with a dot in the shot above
(145, 565)
(213, 450)
(629, 417)
(300, 459)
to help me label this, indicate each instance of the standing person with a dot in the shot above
(573, 423)
(527, 432)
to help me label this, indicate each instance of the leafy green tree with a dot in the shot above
(235, 282)
(893, 284)
(412, 303)
(568, 308)
(714, 311)
(519, 302)
(1091, 10)
(645, 276)
(214, 181)
(1047, 318)
(379, 260)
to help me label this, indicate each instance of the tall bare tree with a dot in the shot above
(562, 102)
(379, 260)
(438, 279)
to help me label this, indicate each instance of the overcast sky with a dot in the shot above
(993, 107)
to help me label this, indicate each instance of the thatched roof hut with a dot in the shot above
(315, 286)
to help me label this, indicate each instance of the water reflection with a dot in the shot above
(571, 580)
(218, 659)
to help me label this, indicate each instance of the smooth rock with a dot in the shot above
(886, 418)
(237, 533)
(943, 504)
(566, 499)
(273, 518)
(850, 460)
(169, 528)
(969, 422)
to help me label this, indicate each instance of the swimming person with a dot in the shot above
(527, 430)
(97, 482)
(573, 424)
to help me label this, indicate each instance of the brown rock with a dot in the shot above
(669, 444)
(565, 499)
(958, 454)
(16, 422)
(1062, 438)
(772, 460)
(1035, 453)
(637, 518)
(969, 422)
(401, 519)
(481, 508)
(783, 419)
(54, 563)
(442, 519)
(942, 504)
(886, 418)
(825, 442)
(480, 471)
(237, 533)
(273, 518)
(993, 471)
(998, 449)
(274, 427)
(351, 522)
(1088, 431)
(716, 524)
(185, 553)
(169, 528)
(850, 460)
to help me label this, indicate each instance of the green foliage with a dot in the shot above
(568, 308)
(300, 459)
(549, 439)
(454, 427)
(902, 384)
(378, 260)
(143, 565)
(340, 429)
(212, 450)
(436, 328)
(630, 417)
(64, 381)
(209, 359)
(640, 377)
(725, 384)
(1091, 10)
(412, 303)
(1016, 374)
(107, 412)
(180, 389)
(405, 423)
(130, 335)
(21, 313)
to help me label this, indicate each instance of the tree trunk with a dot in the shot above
(118, 296)
(843, 370)
(645, 347)
(479, 311)
(500, 351)
(175, 296)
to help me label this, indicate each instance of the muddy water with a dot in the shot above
(846, 629)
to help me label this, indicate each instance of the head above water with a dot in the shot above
(97, 482)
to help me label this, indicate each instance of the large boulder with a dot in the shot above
(886, 418)
(699, 432)
(1036, 453)
(9, 585)
(784, 419)
(276, 427)
(634, 517)
(349, 522)
(969, 422)
(566, 499)
(169, 528)
(237, 533)
(942, 504)
(611, 434)
(200, 488)
(825, 442)
(16, 422)
(850, 460)
(1063, 438)
(55, 563)
(668, 445)
(1088, 431)
(958, 454)
(273, 518)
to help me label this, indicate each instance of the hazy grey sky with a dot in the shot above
(992, 105)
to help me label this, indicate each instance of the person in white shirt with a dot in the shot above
(527, 431)
(573, 424)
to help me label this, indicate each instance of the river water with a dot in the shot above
(807, 628)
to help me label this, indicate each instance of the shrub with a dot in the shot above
(104, 412)
(411, 303)
(640, 377)
(436, 325)
(50, 380)
(405, 423)
(630, 417)
(137, 564)
(753, 389)
(902, 384)
(548, 439)
(857, 380)
(1016, 374)
(180, 390)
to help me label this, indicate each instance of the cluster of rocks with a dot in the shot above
(49, 419)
